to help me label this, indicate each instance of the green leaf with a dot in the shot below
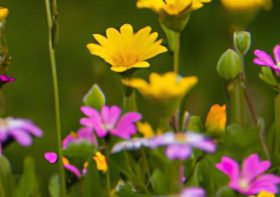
(170, 35)
(6, 178)
(28, 184)
(267, 76)
(92, 183)
(95, 97)
(54, 186)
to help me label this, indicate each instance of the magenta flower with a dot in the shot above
(193, 192)
(5, 79)
(180, 145)
(18, 129)
(249, 180)
(109, 120)
(264, 59)
(83, 135)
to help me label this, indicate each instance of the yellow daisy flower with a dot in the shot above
(3, 13)
(171, 7)
(146, 130)
(245, 5)
(162, 87)
(125, 49)
(216, 119)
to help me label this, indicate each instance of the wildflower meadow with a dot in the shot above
(140, 98)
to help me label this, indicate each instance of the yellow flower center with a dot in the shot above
(180, 137)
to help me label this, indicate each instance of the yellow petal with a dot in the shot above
(143, 64)
(118, 68)
(101, 162)
(3, 13)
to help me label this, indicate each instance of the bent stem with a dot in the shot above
(176, 57)
(51, 16)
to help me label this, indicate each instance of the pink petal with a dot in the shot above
(51, 157)
(31, 128)
(105, 114)
(231, 168)
(114, 114)
(267, 182)
(264, 57)
(201, 142)
(22, 137)
(90, 112)
(67, 140)
(87, 134)
(125, 127)
(73, 169)
(181, 152)
(253, 167)
(193, 192)
(276, 52)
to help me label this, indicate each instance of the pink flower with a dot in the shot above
(109, 120)
(264, 59)
(193, 192)
(250, 180)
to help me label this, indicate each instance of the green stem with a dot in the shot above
(146, 164)
(51, 16)
(276, 147)
(176, 57)
(129, 100)
(238, 113)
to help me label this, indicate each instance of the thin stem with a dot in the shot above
(176, 52)
(51, 24)
(146, 164)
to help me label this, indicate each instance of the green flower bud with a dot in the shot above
(242, 41)
(267, 76)
(229, 65)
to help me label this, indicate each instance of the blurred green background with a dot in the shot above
(206, 37)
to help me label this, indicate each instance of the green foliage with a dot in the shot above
(28, 184)
(242, 41)
(195, 124)
(6, 178)
(95, 97)
(54, 186)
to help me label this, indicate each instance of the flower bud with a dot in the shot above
(175, 23)
(216, 119)
(229, 65)
(242, 41)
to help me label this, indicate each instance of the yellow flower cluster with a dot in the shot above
(264, 194)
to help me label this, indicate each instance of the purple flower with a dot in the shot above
(193, 192)
(179, 145)
(5, 79)
(249, 180)
(264, 59)
(109, 120)
(21, 130)
(83, 135)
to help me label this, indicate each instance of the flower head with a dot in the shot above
(83, 135)
(162, 87)
(216, 119)
(171, 7)
(179, 145)
(241, 5)
(18, 129)
(125, 49)
(132, 144)
(109, 120)
(263, 59)
(6, 79)
(3, 13)
(250, 179)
